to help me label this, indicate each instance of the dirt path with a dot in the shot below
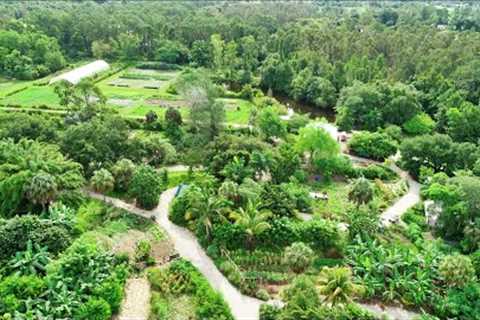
(136, 304)
(242, 307)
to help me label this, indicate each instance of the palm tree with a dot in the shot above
(361, 192)
(42, 189)
(205, 209)
(102, 181)
(336, 285)
(253, 221)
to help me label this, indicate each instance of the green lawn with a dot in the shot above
(34, 96)
(129, 101)
(337, 203)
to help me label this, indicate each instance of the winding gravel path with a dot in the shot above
(242, 307)
(408, 200)
(245, 307)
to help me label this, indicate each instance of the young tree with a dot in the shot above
(145, 187)
(206, 210)
(102, 181)
(361, 192)
(42, 189)
(270, 124)
(253, 221)
(298, 256)
(317, 142)
(123, 172)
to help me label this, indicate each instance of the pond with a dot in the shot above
(303, 107)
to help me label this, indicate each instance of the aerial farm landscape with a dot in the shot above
(239, 160)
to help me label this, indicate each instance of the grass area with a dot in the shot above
(173, 308)
(177, 178)
(237, 110)
(34, 96)
(11, 85)
(135, 101)
(338, 205)
(337, 202)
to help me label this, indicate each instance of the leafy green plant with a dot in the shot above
(102, 181)
(298, 256)
(337, 285)
(252, 220)
(32, 261)
(457, 270)
(145, 187)
(94, 309)
(375, 145)
(361, 192)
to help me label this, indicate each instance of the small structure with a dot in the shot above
(76, 75)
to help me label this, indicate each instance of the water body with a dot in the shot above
(303, 108)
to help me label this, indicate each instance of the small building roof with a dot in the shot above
(74, 76)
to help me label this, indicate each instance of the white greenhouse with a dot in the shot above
(76, 75)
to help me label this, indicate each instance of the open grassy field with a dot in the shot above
(34, 96)
(133, 92)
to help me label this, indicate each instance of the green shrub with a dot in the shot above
(159, 307)
(17, 291)
(422, 123)
(475, 257)
(321, 235)
(123, 172)
(145, 187)
(90, 215)
(456, 270)
(298, 256)
(269, 312)
(93, 309)
(182, 277)
(378, 171)
(229, 235)
(178, 208)
(301, 196)
(16, 232)
(374, 145)
(262, 294)
(395, 132)
(143, 250)
(460, 303)
(112, 292)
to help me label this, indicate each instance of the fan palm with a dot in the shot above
(336, 285)
(252, 220)
(361, 192)
(206, 209)
(42, 189)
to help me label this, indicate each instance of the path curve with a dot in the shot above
(243, 307)
(408, 200)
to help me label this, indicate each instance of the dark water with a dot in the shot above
(302, 108)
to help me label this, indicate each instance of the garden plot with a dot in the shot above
(166, 103)
(147, 74)
(121, 102)
(137, 83)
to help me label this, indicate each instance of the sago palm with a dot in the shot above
(252, 220)
(337, 286)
